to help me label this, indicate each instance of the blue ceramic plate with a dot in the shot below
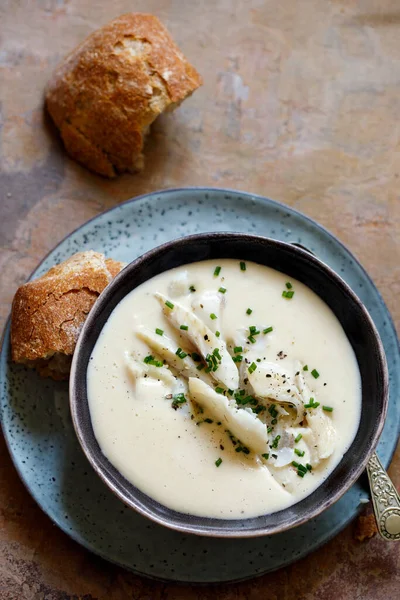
(42, 443)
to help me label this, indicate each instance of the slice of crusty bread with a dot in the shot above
(104, 96)
(48, 313)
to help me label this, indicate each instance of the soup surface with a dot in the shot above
(224, 389)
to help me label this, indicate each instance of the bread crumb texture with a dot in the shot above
(48, 313)
(104, 96)
(365, 528)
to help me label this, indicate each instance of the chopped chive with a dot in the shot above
(217, 354)
(181, 353)
(159, 331)
(196, 356)
(299, 452)
(327, 408)
(302, 468)
(252, 367)
(213, 316)
(315, 373)
(207, 370)
(150, 360)
(230, 392)
(274, 421)
(305, 368)
(275, 442)
(289, 285)
(272, 410)
(177, 400)
(192, 288)
(316, 404)
(184, 327)
(222, 290)
(268, 330)
(200, 367)
(242, 266)
(300, 473)
(218, 462)
(217, 271)
(249, 311)
(238, 349)
(219, 390)
(252, 339)
(298, 438)
(238, 358)
(169, 304)
(287, 295)
(266, 456)
(217, 333)
(253, 330)
(308, 467)
(269, 429)
(295, 464)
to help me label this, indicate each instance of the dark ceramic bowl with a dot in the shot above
(295, 262)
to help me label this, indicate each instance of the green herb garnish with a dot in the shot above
(192, 288)
(305, 368)
(289, 285)
(315, 373)
(238, 349)
(237, 359)
(288, 295)
(217, 333)
(299, 452)
(252, 367)
(312, 404)
(249, 311)
(150, 360)
(275, 442)
(218, 462)
(181, 353)
(242, 266)
(177, 400)
(298, 438)
(184, 327)
(266, 456)
(217, 271)
(222, 290)
(268, 330)
(219, 390)
(213, 316)
(169, 304)
(327, 408)
(159, 331)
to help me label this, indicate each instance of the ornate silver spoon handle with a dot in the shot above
(385, 499)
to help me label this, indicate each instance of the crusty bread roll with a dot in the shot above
(48, 312)
(104, 96)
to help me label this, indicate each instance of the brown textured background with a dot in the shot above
(301, 102)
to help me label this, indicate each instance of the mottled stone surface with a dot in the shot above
(301, 102)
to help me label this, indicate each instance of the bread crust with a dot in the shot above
(107, 92)
(48, 313)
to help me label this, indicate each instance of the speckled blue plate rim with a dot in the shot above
(144, 198)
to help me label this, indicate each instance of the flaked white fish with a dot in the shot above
(166, 349)
(243, 424)
(269, 381)
(204, 340)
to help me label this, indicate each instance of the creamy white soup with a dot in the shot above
(224, 389)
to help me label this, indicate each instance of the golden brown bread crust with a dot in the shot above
(48, 313)
(366, 528)
(107, 92)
